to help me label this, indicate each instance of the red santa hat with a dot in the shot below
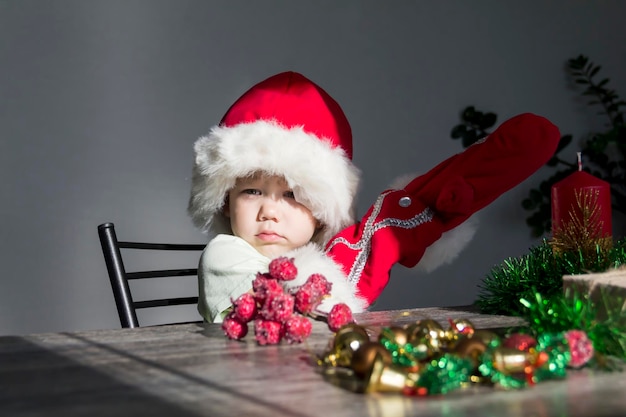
(285, 125)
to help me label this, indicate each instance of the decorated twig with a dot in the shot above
(278, 314)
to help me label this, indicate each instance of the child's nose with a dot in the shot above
(269, 210)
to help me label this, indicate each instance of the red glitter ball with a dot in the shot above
(580, 347)
(283, 269)
(520, 341)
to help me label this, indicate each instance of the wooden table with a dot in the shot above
(193, 370)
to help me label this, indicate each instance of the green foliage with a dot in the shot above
(473, 126)
(604, 152)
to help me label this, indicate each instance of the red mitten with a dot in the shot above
(402, 224)
(487, 169)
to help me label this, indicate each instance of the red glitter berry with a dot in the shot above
(283, 269)
(233, 327)
(297, 328)
(307, 299)
(311, 294)
(244, 307)
(260, 279)
(263, 285)
(339, 315)
(277, 307)
(319, 283)
(267, 332)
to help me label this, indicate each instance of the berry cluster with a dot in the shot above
(277, 314)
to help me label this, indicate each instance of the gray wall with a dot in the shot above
(101, 102)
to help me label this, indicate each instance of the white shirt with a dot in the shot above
(228, 266)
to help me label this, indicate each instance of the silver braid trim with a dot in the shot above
(364, 245)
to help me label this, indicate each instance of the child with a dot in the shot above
(276, 178)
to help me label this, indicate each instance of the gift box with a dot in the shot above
(606, 289)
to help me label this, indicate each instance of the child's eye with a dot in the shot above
(251, 191)
(289, 194)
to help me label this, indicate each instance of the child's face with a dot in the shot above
(263, 212)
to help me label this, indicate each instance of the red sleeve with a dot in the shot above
(403, 223)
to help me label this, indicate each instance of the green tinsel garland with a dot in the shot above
(574, 311)
(540, 271)
(532, 287)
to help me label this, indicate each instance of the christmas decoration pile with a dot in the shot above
(282, 315)
(424, 359)
(564, 329)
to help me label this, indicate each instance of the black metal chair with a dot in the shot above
(126, 306)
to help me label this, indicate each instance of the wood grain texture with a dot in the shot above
(193, 370)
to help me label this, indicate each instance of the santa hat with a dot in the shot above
(285, 125)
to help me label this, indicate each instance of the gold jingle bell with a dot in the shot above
(385, 377)
(485, 336)
(470, 348)
(351, 327)
(426, 332)
(364, 357)
(347, 340)
(510, 360)
(395, 334)
(459, 329)
(462, 327)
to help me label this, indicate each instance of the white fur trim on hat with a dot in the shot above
(322, 176)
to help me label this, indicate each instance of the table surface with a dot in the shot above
(193, 370)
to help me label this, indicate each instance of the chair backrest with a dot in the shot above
(119, 277)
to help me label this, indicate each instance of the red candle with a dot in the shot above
(578, 193)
